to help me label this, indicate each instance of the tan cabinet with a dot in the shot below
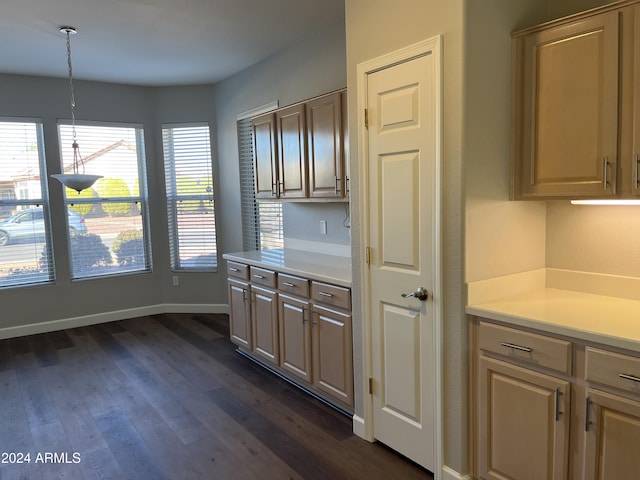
(265, 156)
(292, 152)
(523, 423)
(294, 315)
(299, 151)
(325, 142)
(552, 408)
(332, 353)
(522, 414)
(299, 328)
(576, 106)
(612, 418)
(566, 109)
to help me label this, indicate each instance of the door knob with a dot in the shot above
(420, 293)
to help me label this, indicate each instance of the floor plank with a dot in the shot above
(168, 397)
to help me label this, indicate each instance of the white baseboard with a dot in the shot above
(451, 474)
(83, 321)
(358, 426)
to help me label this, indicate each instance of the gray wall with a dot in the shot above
(315, 65)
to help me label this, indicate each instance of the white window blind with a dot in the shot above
(25, 233)
(190, 197)
(261, 221)
(107, 224)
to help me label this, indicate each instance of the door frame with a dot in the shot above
(431, 46)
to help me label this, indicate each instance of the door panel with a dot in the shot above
(401, 185)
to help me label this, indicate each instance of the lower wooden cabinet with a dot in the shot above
(264, 324)
(294, 316)
(523, 423)
(240, 314)
(612, 437)
(332, 353)
(303, 332)
(548, 407)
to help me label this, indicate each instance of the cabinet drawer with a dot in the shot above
(238, 270)
(261, 276)
(613, 369)
(331, 295)
(526, 347)
(293, 285)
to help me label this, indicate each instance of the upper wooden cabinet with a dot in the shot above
(299, 151)
(264, 156)
(325, 144)
(575, 103)
(292, 164)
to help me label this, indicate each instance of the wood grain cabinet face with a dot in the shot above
(612, 437)
(612, 422)
(294, 316)
(264, 156)
(264, 324)
(240, 313)
(523, 430)
(325, 146)
(332, 353)
(292, 152)
(565, 96)
(300, 151)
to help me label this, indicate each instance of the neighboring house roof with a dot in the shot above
(27, 173)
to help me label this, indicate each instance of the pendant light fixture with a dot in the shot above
(77, 180)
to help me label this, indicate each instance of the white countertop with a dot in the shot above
(608, 320)
(316, 266)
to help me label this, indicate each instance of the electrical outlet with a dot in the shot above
(323, 227)
(176, 281)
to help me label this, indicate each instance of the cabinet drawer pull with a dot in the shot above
(635, 171)
(261, 277)
(516, 347)
(287, 284)
(605, 172)
(233, 269)
(587, 407)
(557, 404)
(633, 378)
(325, 294)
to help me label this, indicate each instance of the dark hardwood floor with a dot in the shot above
(167, 397)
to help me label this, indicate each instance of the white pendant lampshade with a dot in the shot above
(75, 180)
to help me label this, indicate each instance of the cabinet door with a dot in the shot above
(566, 110)
(332, 353)
(612, 437)
(292, 155)
(264, 156)
(523, 430)
(324, 125)
(295, 338)
(264, 323)
(239, 316)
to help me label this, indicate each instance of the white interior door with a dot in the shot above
(402, 185)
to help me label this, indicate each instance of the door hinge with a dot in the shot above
(366, 118)
(370, 386)
(367, 255)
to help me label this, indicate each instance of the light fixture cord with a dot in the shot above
(76, 152)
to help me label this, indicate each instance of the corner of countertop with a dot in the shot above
(492, 289)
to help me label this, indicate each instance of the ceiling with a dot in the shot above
(154, 42)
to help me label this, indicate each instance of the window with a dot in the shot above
(189, 182)
(107, 224)
(25, 234)
(261, 221)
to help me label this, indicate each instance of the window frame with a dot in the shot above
(50, 274)
(142, 200)
(177, 264)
